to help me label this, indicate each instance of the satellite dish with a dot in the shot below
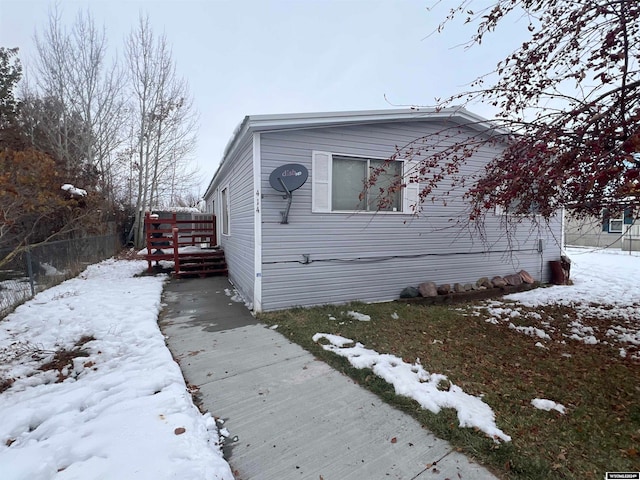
(288, 178)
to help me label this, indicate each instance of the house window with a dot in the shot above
(224, 210)
(349, 175)
(613, 221)
(515, 208)
(615, 225)
(338, 183)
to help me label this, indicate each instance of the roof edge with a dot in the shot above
(287, 121)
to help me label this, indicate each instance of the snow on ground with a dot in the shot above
(120, 407)
(600, 277)
(237, 297)
(547, 405)
(605, 288)
(361, 317)
(432, 391)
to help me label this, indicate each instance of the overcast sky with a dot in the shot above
(284, 56)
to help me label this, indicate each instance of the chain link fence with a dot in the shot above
(43, 266)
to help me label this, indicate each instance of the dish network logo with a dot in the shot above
(291, 173)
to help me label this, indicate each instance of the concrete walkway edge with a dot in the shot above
(296, 417)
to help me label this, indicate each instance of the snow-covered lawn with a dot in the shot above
(605, 296)
(111, 403)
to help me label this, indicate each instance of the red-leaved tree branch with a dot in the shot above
(568, 118)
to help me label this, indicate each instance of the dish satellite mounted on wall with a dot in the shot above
(286, 179)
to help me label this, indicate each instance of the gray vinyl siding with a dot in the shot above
(239, 250)
(373, 257)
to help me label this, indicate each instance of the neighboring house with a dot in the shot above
(335, 248)
(613, 229)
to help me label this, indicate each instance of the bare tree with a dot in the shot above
(51, 71)
(72, 73)
(163, 117)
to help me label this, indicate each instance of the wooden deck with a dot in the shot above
(190, 244)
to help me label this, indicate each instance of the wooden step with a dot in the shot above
(201, 273)
(202, 266)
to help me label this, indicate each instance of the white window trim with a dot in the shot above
(225, 205)
(617, 219)
(409, 193)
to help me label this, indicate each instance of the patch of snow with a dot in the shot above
(589, 339)
(415, 382)
(543, 404)
(235, 295)
(531, 331)
(582, 333)
(71, 190)
(593, 285)
(361, 317)
(624, 334)
(333, 339)
(595, 293)
(50, 270)
(395, 316)
(119, 411)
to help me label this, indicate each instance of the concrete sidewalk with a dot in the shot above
(296, 418)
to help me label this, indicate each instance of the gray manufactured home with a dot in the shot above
(325, 244)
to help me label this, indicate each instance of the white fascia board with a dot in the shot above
(459, 115)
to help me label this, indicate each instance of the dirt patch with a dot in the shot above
(5, 384)
(62, 360)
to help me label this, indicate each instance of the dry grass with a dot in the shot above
(600, 431)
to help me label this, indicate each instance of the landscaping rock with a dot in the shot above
(428, 289)
(526, 278)
(468, 287)
(514, 279)
(444, 289)
(409, 292)
(498, 282)
(458, 288)
(484, 282)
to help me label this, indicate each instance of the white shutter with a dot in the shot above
(411, 191)
(320, 182)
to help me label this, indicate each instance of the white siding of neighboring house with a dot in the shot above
(588, 232)
(372, 257)
(594, 232)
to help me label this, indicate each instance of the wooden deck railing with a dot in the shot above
(167, 237)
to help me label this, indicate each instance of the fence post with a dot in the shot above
(176, 245)
(30, 270)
